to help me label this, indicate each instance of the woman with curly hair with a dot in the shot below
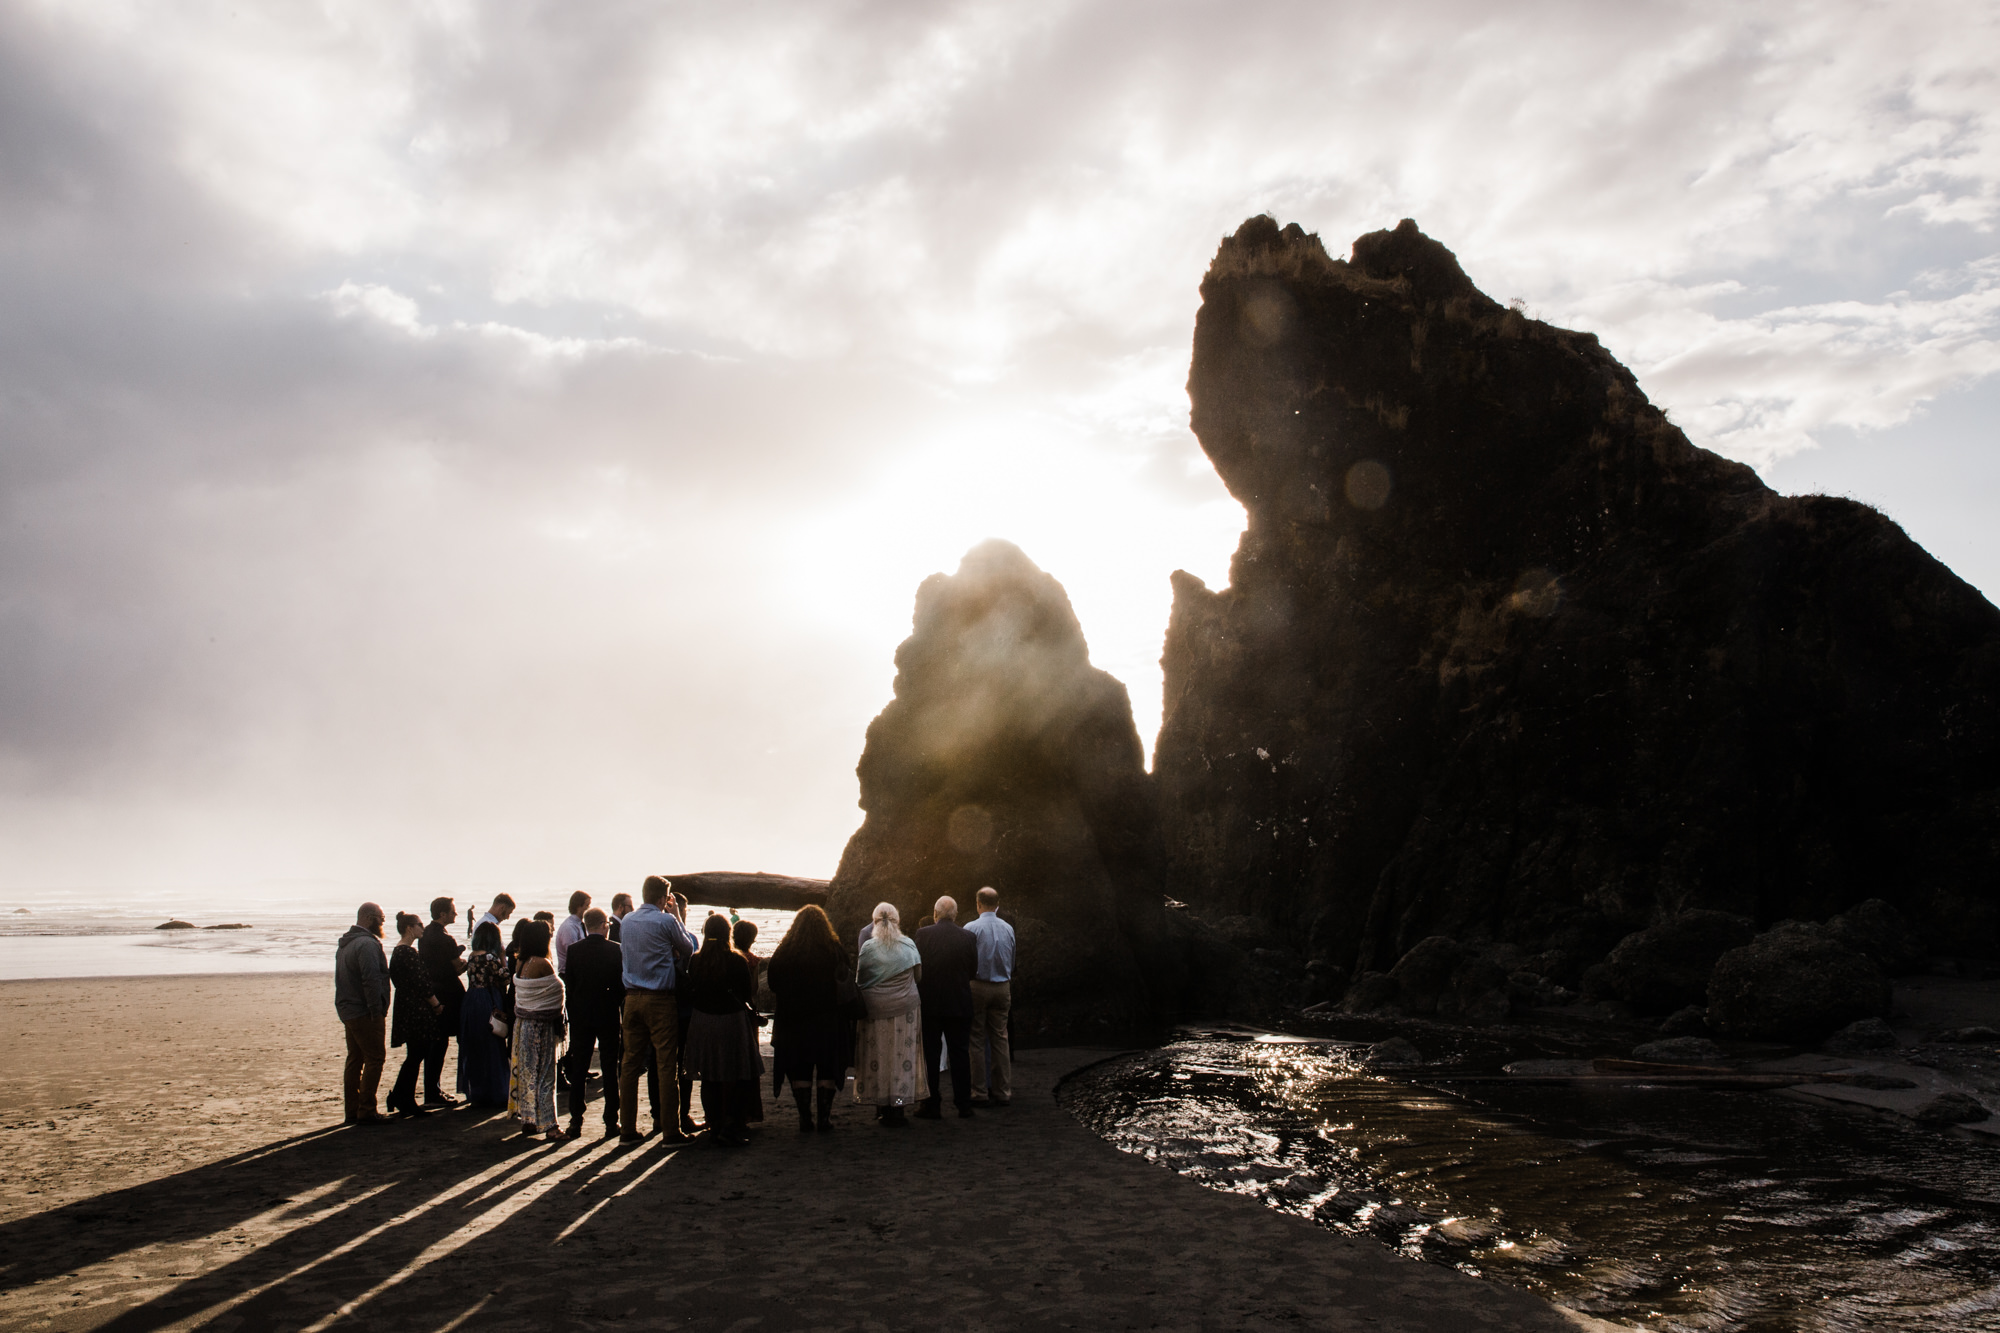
(889, 1055)
(482, 1051)
(811, 1043)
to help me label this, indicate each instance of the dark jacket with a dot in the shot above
(360, 977)
(411, 1022)
(951, 959)
(441, 953)
(805, 984)
(718, 981)
(595, 984)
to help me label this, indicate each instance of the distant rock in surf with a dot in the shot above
(175, 925)
(231, 925)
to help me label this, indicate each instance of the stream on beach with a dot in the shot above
(1661, 1207)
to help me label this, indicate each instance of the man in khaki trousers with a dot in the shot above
(653, 941)
(992, 997)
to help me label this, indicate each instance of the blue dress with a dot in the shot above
(482, 1057)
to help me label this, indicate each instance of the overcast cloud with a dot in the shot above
(500, 443)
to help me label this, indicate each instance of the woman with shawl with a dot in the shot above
(538, 1032)
(482, 1052)
(889, 1056)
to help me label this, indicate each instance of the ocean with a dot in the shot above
(120, 939)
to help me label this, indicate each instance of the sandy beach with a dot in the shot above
(177, 1162)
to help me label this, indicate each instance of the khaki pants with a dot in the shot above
(363, 1075)
(651, 1024)
(992, 1075)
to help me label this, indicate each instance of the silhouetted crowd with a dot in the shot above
(635, 990)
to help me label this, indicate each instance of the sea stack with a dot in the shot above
(1007, 759)
(1505, 658)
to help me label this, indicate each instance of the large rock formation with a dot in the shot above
(1005, 758)
(1505, 658)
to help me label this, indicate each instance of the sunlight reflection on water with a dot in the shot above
(1664, 1208)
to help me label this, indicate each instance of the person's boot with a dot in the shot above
(803, 1096)
(826, 1107)
(931, 1108)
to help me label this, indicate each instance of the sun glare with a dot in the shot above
(1082, 509)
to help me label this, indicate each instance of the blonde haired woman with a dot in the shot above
(889, 1054)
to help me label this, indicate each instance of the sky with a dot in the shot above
(499, 444)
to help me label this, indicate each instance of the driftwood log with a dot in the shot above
(730, 888)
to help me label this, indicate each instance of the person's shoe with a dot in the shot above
(824, 1098)
(371, 1118)
(689, 1127)
(930, 1111)
(575, 1131)
(630, 1136)
(440, 1099)
(410, 1112)
(611, 1131)
(803, 1097)
(966, 1113)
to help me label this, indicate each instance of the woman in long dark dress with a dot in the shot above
(811, 1043)
(722, 1038)
(413, 1021)
(482, 1053)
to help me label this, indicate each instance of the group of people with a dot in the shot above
(638, 991)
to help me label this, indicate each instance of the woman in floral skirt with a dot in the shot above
(889, 1054)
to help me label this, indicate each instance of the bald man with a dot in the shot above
(944, 992)
(361, 998)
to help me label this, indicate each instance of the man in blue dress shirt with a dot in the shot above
(992, 997)
(653, 941)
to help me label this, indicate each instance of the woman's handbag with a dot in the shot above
(847, 1001)
(498, 1022)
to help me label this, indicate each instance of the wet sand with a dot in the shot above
(175, 1161)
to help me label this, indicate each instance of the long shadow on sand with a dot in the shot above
(321, 1220)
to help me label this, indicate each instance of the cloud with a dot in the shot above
(503, 441)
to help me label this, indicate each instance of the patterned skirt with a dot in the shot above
(531, 1089)
(889, 1050)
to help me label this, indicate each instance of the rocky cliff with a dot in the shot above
(1505, 658)
(1006, 759)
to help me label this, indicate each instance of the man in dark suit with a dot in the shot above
(944, 990)
(594, 986)
(444, 959)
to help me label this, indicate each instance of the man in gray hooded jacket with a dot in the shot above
(361, 998)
